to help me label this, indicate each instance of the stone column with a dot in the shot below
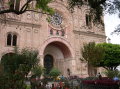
(73, 66)
(41, 58)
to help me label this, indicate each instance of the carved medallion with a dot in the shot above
(56, 20)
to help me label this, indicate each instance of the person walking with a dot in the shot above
(53, 87)
(99, 76)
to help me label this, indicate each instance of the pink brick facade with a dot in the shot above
(34, 31)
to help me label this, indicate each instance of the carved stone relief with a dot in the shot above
(29, 16)
(28, 29)
(36, 16)
(35, 30)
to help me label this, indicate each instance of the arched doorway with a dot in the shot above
(7, 57)
(57, 54)
(48, 63)
(7, 62)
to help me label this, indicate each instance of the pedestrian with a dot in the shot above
(99, 76)
(47, 86)
(115, 78)
(53, 87)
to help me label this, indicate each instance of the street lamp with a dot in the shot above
(108, 40)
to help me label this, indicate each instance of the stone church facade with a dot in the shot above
(58, 38)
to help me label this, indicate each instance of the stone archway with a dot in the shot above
(62, 54)
(56, 39)
(6, 61)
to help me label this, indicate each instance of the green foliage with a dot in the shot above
(1, 70)
(102, 55)
(54, 72)
(112, 74)
(43, 4)
(92, 53)
(73, 3)
(95, 10)
(16, 68)
(37, 70)
(28, 87)
(97, 7)
(111, 56)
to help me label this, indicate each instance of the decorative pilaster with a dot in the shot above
(41, 58)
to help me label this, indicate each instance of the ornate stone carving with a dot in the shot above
(36, 16)
(28, 15)
(28, 29)
(35, 30)
(56, 19)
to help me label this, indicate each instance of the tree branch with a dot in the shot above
(22, 10)
(24, 7)
(10, 11)
(5, 11)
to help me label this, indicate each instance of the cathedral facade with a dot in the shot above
(58, 38)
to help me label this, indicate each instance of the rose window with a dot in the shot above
(56, 19)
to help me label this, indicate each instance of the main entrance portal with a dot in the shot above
(48, 63)
(57, 55)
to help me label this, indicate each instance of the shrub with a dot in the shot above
(28, 87)
(54, 72)
(112, 74)
(16, 67)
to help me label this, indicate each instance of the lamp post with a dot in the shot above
(108, 40)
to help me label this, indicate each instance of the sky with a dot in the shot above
(111, 22)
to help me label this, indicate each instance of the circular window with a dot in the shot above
(56, 19)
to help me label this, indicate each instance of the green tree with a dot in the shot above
(111, 57)
(91, 54)
(54, 73)
(37, 71)
(16, 68)
(112, 73)
(97, 8)
(116, 31)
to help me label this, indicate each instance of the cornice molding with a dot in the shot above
(88, 33)
(15, 22)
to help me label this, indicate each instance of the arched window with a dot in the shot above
(11, 39)
(88, 20)
(14, 40)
